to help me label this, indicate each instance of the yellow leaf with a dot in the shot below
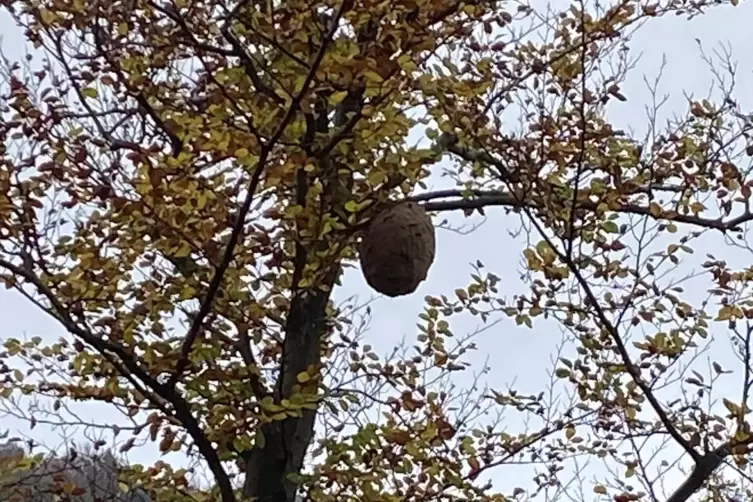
(375, 177)
(372, 76)
(183, 250)
(47, 16)
(201, 201)
(337, 97)
(569, 431)
(732, 407)
(601, 489)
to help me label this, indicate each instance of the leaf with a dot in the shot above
(90, 92)
(570, 431)
(167, 443)
(337, 97)
(48, 16)
(600, 489)
(183, 250)
(731, 407)
(562, 373)
(259, 439)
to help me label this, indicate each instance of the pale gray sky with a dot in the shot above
(516, 354)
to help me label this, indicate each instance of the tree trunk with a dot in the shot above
(269, 469)
(286, 441)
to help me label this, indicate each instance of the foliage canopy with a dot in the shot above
(182, 183)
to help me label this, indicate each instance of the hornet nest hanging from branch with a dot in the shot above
(397, 249)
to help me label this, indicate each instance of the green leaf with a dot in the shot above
(562, 373)
(351, 206)
(259, 439)
(337, 97)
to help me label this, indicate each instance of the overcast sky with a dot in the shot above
(516, 354)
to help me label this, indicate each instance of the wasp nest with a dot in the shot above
(398, 249)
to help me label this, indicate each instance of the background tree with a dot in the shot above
(79, 477)
(182, 183)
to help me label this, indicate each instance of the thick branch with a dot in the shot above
(114, 143)
(613, 332)
(227, 257)
(176, 144)
(269, 468)
(449, 142)
(632, 369)
(181, 409)
(704, 467)
(706, 464)
(249, 67)
(484, 198)
(216, 282)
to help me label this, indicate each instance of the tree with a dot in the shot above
(86, 477)
(182, 183)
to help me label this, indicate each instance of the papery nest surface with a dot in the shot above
(398, 249)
